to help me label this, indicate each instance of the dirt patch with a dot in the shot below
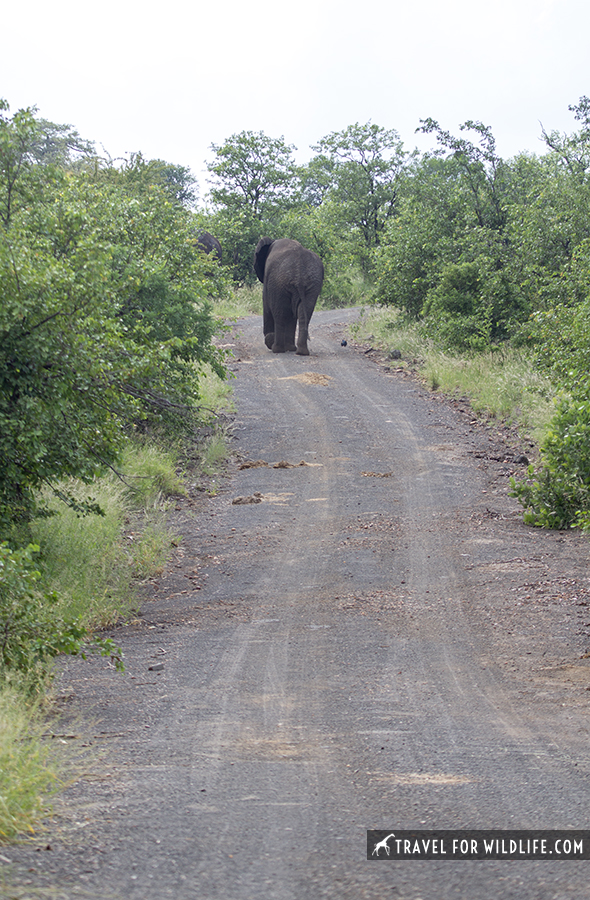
(252, 464)
(260, 498)
(423, 778)
(309, 378)
(282, 464)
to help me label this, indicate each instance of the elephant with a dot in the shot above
(292, 279)
(209, 244)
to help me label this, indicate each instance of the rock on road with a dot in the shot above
(375, 640)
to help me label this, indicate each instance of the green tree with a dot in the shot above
(549, 220)
(573, 151)
(253, 182)
(17, 138)
(61, 145)
(360, 168)
(482, 170)
(554, 229)
(419, 239)
(447, 257)
(254, 171)
(176, 182)
(30, 149)
(104, 319)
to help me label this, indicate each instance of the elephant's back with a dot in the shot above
(293, 264)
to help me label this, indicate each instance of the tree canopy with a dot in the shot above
(106, 313)
(364, 165)
(105, 318)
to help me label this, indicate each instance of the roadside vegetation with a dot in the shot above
(499, 383)
(112, 359)
(30, 771)
(75, 575)
(111, 370)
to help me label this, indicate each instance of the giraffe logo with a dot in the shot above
(382, 845)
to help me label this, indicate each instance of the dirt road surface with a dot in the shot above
(372, 639)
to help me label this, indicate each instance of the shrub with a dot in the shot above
(105, 320)
(559, 495)
(31, 634)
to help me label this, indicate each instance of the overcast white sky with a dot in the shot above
(171, 78)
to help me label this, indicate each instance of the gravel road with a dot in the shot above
(370, 639)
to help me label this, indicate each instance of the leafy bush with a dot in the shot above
(91, 562)
(457, 291)
(31, 634)
(559, 495)
(455, 312)
(560, 338)
(474, 304)
(105, 317)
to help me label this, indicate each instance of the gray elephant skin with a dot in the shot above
(209, 244)
(292, 279)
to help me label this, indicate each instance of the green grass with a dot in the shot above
(88, 560)
(505, 386)
(94, 564)
(213, 453)
(150, 476)
(216, 395)
(29, 769)
(501, 383)
(245, 300)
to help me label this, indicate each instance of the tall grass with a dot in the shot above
(216, 395)
(94, 564)
(149, 475)
(82, 558)
(501, 383)
(505, 386)
(245, 300)
(213, 453)
(92, 561)
(28, 766)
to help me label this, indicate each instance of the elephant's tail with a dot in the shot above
(300, 308)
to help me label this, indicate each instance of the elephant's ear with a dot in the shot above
(260, 254)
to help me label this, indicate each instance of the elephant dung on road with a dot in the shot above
(292, 279)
